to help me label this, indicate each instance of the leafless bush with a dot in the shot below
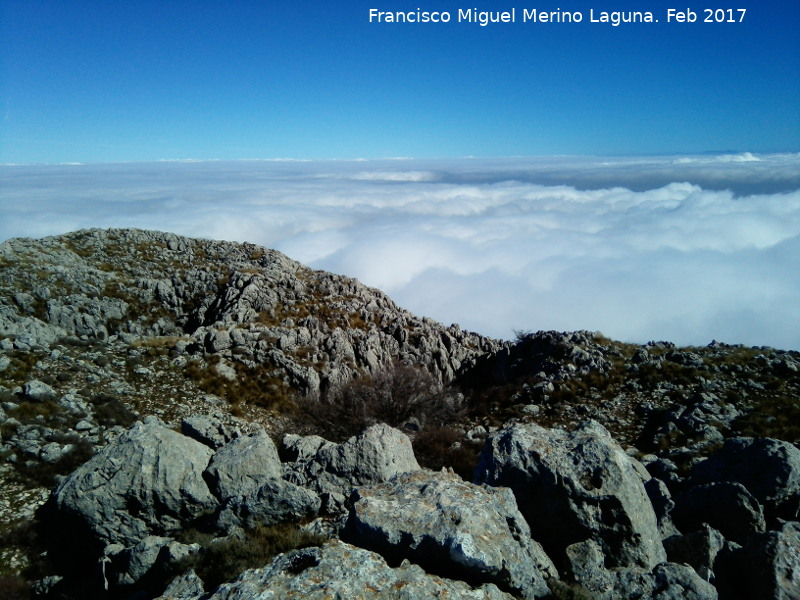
(397, 395)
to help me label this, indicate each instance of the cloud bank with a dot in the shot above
(686, 249)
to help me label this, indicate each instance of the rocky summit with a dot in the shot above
(191, 419)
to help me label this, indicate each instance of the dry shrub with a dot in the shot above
(438, 447)
(224, 560)
(397, 395)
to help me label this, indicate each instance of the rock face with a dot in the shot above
(451, 528)
(575, 486)
(150, 482)
(245, 304)
(338, 570)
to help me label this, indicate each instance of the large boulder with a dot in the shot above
(575, 486)
(275, 501)
(148, 482)
(727, 506)
(451, 528)
(245, 475)
(332, 470)
(338, 570)
(768, 468)
(768, 567)
(666, 581)
(243, 465)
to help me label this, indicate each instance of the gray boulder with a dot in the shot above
(666, 581)
(699, 549)
(338, 570)
(243, 465)
(130, 565)
(575, 486)
(768, 468)
(726, 506)
(148, 482)
(769, 565)
(38, 391)
(451, 528)
(209, 430)
(376, 455)
(276, 501)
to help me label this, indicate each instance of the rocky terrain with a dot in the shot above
(196, 419)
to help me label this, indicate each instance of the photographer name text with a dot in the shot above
(484, 18)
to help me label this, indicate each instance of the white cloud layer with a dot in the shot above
(686, 249)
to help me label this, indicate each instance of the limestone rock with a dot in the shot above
(338, 570)
(38, 391)
(768, 468)
(452, 528)
(726, 506)
(242, 466)
(666, 581)
(699, 549)
(209, 430)
(275, 501)
(377, 454)
(148, 482)
(575, 486)
(184, 587)
(771, 564)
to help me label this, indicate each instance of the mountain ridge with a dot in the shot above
(101, 329)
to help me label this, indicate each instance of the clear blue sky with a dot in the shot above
(128, 81)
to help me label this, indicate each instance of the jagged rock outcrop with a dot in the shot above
(575, 486)
(243, 303)
(452, 528)
(338, 570)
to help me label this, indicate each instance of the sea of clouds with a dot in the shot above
(687, 249)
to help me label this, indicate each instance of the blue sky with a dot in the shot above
(134, 81)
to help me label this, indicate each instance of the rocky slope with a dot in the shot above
(159, 397)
